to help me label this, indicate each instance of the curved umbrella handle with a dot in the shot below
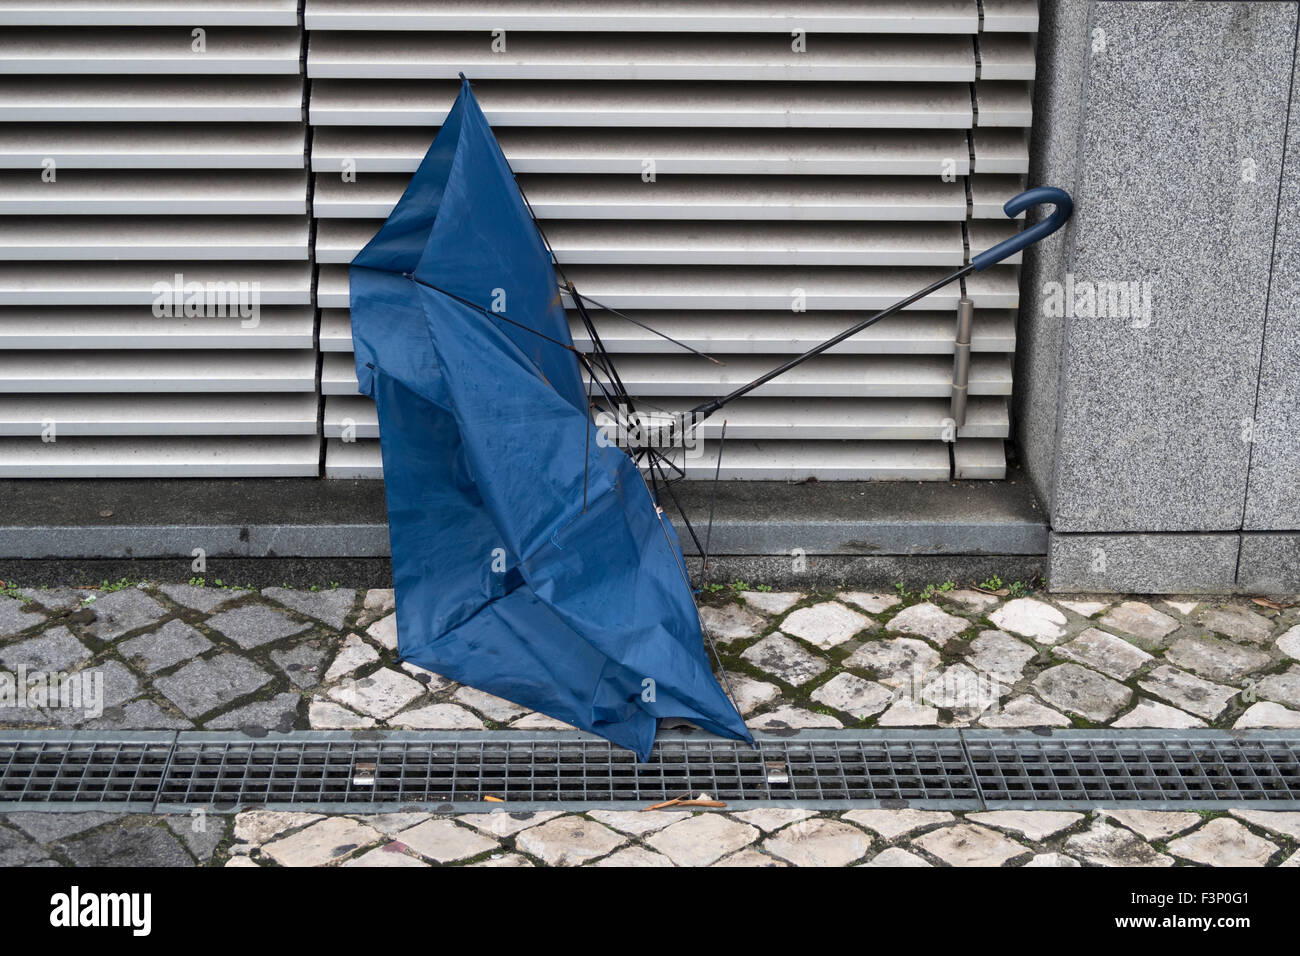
(1041, 230)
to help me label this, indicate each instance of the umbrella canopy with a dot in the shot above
(530, 558)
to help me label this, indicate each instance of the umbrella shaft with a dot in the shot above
(701, 412)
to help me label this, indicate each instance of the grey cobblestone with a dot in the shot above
(204, 685)
(124, 611)
(330, 607)
(205, 599)
(54, 650)
(15, 616)
(166, 647)
(1220, 663)
(253, 625)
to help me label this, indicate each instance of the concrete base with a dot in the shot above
(306, 531)
(1224, 563)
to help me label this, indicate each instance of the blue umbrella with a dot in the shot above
(530, 559)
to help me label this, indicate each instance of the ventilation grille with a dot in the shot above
(831, 172)
(133, 150)
(968, 770)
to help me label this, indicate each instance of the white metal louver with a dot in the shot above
(134, 150)
(704, 165)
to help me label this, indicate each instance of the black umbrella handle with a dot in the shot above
(1014, 207)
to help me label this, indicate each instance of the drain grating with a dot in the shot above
(549, 770)
(963, 770)
(59, 771)
(1105, 769)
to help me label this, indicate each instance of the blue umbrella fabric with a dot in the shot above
(530, 559)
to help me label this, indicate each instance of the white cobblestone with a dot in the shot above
(906, 712)
(1266, 714)
(1083, 608)
(1106, 845)
(353, 653)
(322, 843)
(568, 841)
(853, 695)
(384, 631)
(635, 856)
(897, 661)
(1029, 618)
(891, 824)
(502, 824)
(437, 717)
(1237, 623)
(929, 621)
(769, 819)
(1140, 621)
(1154, 824)
(819, 842)
(968, 845)
(825, 625)
(897, 856)
(1283, 823)
(1000, 655)
(637, 822)
(1187, 692)
(784, 718)
(445, 842)
(771, 602)
(1113, 656)
(494, 708)
(731, 622)
(1223, 842)
(325, 715)
(1075, 689)
(1053, 859)
(258, 826)
(751, 694)
(381, 694)
(870, 601)
(702, 839)
(1024, 711)
(1289, 643)
(1036, 825)
(1152, 713)
(784, 659)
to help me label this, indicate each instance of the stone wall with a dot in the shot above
(1159, 407)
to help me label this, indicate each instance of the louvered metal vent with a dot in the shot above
(132, 150)
(838, 169)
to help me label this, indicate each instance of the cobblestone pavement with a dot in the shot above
(768, 837)
(178, 656)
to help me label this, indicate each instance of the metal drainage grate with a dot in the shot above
(119, 772)
(964, 770)
(1102, 769)
(532, 770)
